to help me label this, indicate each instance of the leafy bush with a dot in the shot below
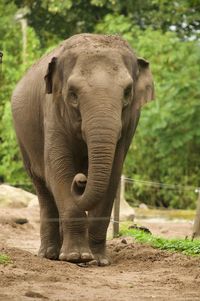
(11, 167)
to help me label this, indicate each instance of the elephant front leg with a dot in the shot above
(60, 173)
(75, 246)
(74, 224)
(99, 220)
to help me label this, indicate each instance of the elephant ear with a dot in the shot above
(144, 90)
(49, 75)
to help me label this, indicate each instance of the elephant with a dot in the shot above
(75, 112)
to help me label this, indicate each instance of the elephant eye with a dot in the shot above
(73, 98)
(127, 95)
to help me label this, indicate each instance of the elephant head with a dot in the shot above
(100, 85)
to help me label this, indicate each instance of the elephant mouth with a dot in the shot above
(78, 185)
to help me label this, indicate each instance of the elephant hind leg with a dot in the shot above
(49, 217)
(49, 222)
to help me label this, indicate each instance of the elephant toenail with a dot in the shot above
(87, 256)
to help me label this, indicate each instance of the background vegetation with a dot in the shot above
(166, 146)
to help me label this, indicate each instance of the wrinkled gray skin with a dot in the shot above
(75, 112)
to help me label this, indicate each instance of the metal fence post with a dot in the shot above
(119, 197)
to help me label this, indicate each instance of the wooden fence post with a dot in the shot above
(1, 58)
(119, 197)
(196, 227)
(1, 55)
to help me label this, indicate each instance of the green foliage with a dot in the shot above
(185, 246)
(4, 259)
(55, 20)
(11, 167)
(170, 124)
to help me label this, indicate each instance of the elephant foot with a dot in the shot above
(76, 255)
(98, 249)
(50, 252)
(100, 260)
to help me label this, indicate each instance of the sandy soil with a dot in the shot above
(137, 273)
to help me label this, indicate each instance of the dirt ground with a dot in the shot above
(137, 272)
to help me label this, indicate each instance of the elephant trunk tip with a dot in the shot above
(78, 185)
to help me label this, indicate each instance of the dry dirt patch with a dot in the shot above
(138, 272)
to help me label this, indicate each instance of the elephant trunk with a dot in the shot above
(101, 134)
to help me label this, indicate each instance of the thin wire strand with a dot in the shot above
(75, 219)
(147, 183)
(162, 185)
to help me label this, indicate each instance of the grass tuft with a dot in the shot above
(4, 259)
(185, 246)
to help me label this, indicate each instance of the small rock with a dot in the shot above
(32, 294)
(145, 229)
(142, 228)
(14, 266)
(124, 241)
(143, 206)
(21, 220)
(127, 240)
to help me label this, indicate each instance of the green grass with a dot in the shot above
(4, 259)
(185, 246)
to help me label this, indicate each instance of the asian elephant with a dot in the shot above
(75, 112)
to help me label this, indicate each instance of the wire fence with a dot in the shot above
(132, 181)
(152, 193)
(162, 185)
(126, 184)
